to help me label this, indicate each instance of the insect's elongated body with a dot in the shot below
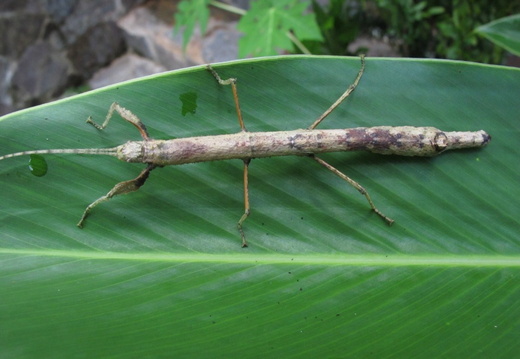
(244, 145)
(403, 141)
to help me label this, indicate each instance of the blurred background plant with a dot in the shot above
(428, 28)
(505, 32)
(443, 29)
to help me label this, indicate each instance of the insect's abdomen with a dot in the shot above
(388, 140)
(405, 141)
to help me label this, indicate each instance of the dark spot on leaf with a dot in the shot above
(189, 102)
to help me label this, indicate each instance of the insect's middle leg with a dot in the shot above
(356, 185)
(247, 210)
(345, 94)
(120, 188)
(233, 82)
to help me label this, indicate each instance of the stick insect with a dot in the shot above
(245, 146)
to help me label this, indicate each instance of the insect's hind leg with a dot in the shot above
(233, 82)
(356, 185)
(247, 208)
(126, 115)
(120, 188)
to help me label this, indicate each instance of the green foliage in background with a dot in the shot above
(191, 13)
(159, 273)
(445, 29)
(429, 28)
(504, 32)
(435, 28)
(339, 23)
(268, 25)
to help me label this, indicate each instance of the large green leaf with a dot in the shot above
(160, 272)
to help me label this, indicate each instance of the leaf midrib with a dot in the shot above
(390, 260)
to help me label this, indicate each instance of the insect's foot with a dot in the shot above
(90, 121)
(388, 220)
(82, 220)
(242, 235)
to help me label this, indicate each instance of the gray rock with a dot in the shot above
(221, 44)
(18, 31)
(12, 5)
(41, 75)
(88, 14)
(96, 48)
(56, 10)
(127, 67)
(6, 73)
(153, 39)
(59, 10)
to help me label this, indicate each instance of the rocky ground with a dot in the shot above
(48, 47)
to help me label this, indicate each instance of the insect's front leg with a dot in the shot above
(120, 188)
(126, 115)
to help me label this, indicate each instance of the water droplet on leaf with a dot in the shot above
(38, 165)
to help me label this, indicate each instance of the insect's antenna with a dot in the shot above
(75, 151)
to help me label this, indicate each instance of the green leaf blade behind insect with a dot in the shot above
(161, 271)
